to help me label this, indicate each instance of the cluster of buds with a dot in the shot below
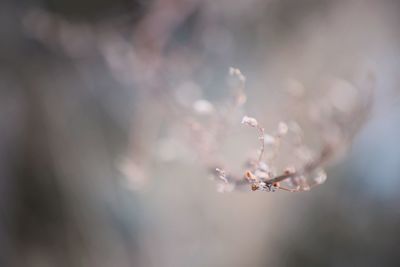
(262, 174)
(261, 177)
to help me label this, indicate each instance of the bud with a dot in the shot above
(320, 176)
(252, 122)
(221, 175)
(250, 177)
(237, 73)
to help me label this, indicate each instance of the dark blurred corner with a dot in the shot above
(60, 201)
(344, 225)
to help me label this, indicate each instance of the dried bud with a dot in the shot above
(232, 71)
(237, 73)
(282, 128)
(250, 177)
(320, 176)
(221, 175)
(254, 187)
(252, 122)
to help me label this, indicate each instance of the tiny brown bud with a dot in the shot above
(249, 176)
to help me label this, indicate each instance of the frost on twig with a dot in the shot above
(305, 169)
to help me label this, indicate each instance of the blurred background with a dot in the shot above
(93, 170)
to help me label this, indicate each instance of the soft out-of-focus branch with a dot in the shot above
(140, 60)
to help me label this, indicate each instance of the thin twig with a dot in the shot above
(261, 137)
